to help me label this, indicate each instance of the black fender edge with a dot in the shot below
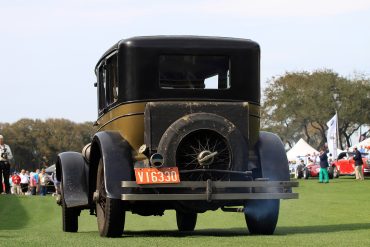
(73, 169)
(116, 154)
(273, 159)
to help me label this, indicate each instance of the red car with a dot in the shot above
(311, 170)
(344, 165)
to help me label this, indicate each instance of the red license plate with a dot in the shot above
(162, 175)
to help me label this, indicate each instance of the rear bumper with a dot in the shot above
(212, 191)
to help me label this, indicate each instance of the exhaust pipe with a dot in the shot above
(234, 210)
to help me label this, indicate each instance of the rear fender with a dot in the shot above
(272, 156)
(73, 169)
(117, 160)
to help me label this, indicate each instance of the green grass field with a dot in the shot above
(334, 214)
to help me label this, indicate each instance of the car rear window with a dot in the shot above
(194, 72)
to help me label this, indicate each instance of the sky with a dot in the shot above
(49, 48)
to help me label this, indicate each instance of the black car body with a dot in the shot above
(182, 105)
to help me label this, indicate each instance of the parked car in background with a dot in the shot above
(50, 184)
(297, 168)
(313, 170)
(366, 166)
(345, 164)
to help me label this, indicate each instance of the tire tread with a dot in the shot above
(69, 218)
(186, 221)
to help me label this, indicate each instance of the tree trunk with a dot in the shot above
(306, 134)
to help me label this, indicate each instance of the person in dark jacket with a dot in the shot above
(323, 175)
(358, 164)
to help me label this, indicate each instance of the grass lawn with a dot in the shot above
(334, 214)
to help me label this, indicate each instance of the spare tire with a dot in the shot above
(214, 134)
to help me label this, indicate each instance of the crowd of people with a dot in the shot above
(32, 183)
(23, 182)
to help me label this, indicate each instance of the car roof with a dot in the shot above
(138, 54)
(181, 41)
(342, 154)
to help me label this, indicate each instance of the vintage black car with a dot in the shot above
(178, 129)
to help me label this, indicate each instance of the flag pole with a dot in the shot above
(338, 140)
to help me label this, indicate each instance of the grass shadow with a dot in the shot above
(13, 215)
(288, 230)
(234, 232)
(174, 233)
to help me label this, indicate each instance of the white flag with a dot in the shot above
(332, 136)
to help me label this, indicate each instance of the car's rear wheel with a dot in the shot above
(262, 216)
(336, 172)
(186, 221)
(69, 215)
(109, 212)
(331, 172)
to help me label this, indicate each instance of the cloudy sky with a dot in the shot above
(49, 48)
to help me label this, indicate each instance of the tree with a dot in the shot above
(34, 142)
(299, 104)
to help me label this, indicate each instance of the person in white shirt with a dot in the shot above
(25, 179)
(5, 156)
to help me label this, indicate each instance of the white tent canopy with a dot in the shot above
(365, 143)
(301, 148)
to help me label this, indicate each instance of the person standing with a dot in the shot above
(16, 183)
(299, 169)
(11, 185)
(32, 183)
(37, 180)
(44, 179)
(28, 192)
(358, 164)
(24, 181)
(323, 175)
(5, 156)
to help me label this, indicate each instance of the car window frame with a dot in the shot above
(106, 96)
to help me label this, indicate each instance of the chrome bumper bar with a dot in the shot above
(257, 190)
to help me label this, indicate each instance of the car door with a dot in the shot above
(345, 166)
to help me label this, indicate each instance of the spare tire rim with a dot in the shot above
(203, 149)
